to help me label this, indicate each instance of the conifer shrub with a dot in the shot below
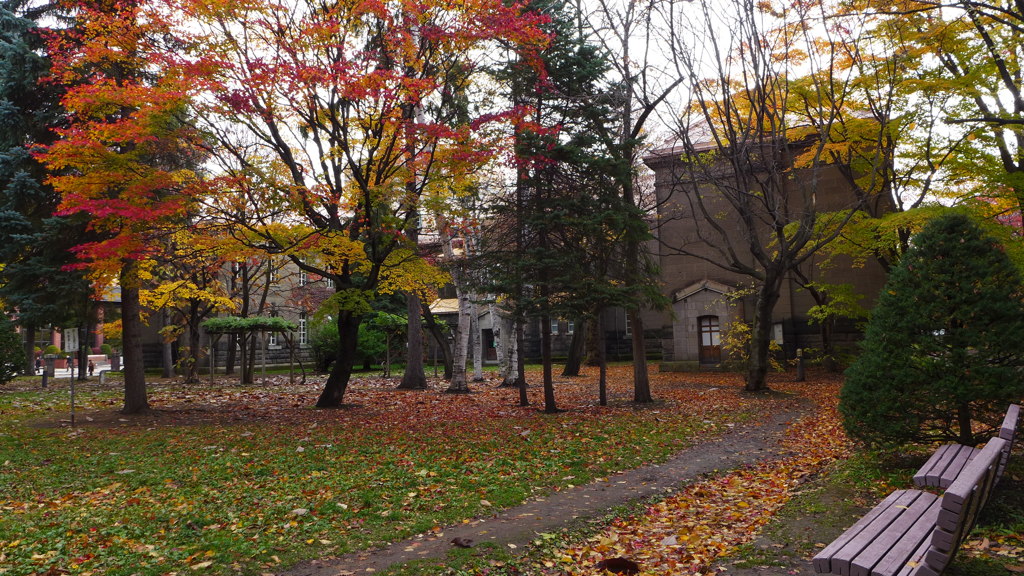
(942, 356)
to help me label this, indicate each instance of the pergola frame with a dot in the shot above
(217, 327)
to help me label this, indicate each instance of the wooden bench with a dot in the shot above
(913, 532)
(947, 462)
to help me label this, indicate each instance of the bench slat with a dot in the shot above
(913, 532)
(822, 560)
(1008, 432)
(934, 466)
(916, 566)
(838, 556)
(944, 465)
(961, 456)
(896, 547)
(960, 491)
(961, 504)
(1009, 428)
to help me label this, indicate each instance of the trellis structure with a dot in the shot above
(217, 327)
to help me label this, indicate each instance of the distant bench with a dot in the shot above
(946, 463)
(913, 532)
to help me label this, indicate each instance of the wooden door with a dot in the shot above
(710, 340)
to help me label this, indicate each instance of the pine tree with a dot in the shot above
(942, 350)
(552, 242)
(34, 243)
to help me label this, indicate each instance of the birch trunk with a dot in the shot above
(478, 345)
(459, 383)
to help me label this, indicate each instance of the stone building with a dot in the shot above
(706, 299)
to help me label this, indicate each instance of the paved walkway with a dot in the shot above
(518, 526)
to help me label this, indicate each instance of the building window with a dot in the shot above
(303, 329)
(303, 278)
(629, 325)
(272, 340)
(554, 326)
(330, 282)
(570, 327)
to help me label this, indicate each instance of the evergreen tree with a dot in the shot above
(34, 243)
(941, 357)
(554, 239)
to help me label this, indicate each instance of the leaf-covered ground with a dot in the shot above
(687, 532)
(224, 479)
(694, 530)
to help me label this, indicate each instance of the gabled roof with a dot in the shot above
(708, 285)
(445, 306)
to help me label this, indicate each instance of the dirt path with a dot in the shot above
(518, 526)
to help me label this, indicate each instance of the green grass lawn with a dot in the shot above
(257, 494)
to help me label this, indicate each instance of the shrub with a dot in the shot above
(375, 333)
(324, 343)
(941, 355)
(736, 345)
(52, 350)
(106, 349)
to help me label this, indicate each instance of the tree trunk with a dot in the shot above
(414, 378)
(249, 358)
(545, 358)
(135, 399)
(167, 355)
(333, 394)
(83, 351)
(441, 340)
(524, 400)
(575, 359)
(507, 351)
(964, 420)
(761, 333)
(193, 352)
(594, 341)
(459, 383)
(30, 351)
(194, 345)
(602, 361)
(478, 345)
(641, 380)
(231, 356)
(828, 349)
